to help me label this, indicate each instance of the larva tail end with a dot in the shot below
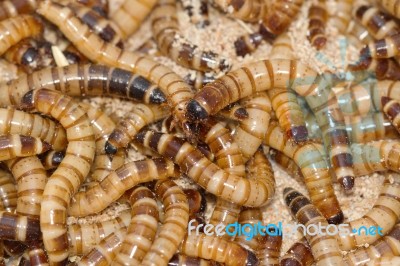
(241, 113)
(194, 111)
(336, 219)
(251, 259)
(57, 157)
(27, 101)
(347, 182)
(298, 133)
(110, 149)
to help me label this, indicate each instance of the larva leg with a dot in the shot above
(51, 159)
(248, 192)
(298, 254)
(83, 237)
(278, 18)
(166, 32)
(247, 10)
(140, 116)
(197, 11)
(64, 182)
(318, 15)
(84, 80)
(12, 146)
(8, 192)
(324, 248)
(142, 228)
(31, 180)
(182, 260)
(176, 90)
(101, 195)
(13, 30)
(131, 14)
(173, 229)
(13, 8)
(217, 249)
(13, 121)
(310, 158)
(391, 6)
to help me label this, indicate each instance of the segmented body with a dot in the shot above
(325, 248)
(182, 260)
(318, 16)
(287, 164)
(25, 54)
(391, 108)
(51, 159)
(18, 227)
(66, 179)
(37, 256)
(298, 254)
(199, 79)
(13, 8)
(248, 10)
(342, 15)
(247, 43)
(391, 6)
(174, 226)
(8, 192)
(12, 146)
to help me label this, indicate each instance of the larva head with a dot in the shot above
(194, 111)
(110, 148)
(28, 101)
(241, 113)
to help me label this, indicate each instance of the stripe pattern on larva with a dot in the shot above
(175, 89)
(391, 6)
(182, 260)
(318, 16)
(358, 35)
(309, 157)
(83, 237)
(217, 249)
(299, 254)
(31, 178)
(18, 227)
(252, 193)
(84, 80)
(111, 188)
(324, 248)
(37, 256)
(383, 48)
(130, 15)
(12, 146)
(13, 121)
(13, 8)
(174, 227)
(8, 192)
(66, 179)
(166, 33)
(391, 108)
(141, 230)
(13, 30)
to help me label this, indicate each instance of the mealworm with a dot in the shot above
(141, 230)
(101, 195)
(298, 254)
(107, 30)
(64, 182)
(198, 79)
(13, 121)
(287, 164)
(391, 108)
(182, 260)
(324, 248)
(13, 8)
(130, 15)
(386, 246)
(235, 112)
(18, 227)
(358, 34)
(84, 80)
(51, 159)
(342, 15)
(140, 116)
(13, 30)
(24, 54)
(248, 192)
(309, 157)
(8, 192)
(385, 68)
(247, 43)
(173, 229)
(217, 249)
(175, 89)
(83, 237)
(383, 48)
(281, 73)
(391, 6)
(197, 202)
(37, 256)
(13, 248)
(31, 179)
(197, 11)
(318, 16)
(12, 146)
(250, 10)
(167, 35)
(278, 18)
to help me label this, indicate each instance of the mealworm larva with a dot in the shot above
(83, 237)
(13, 30)
(324, 248)
(386, 246)
(248, 192)
(13, 248)
(18, 227)
(357, 34)
(317, 15)
(37, 256)
(342, 15)
(217, 249)
(100, 6)
(175, 89)
(299, 254)
(13, 8)
(247, 43)
(51, 159)
(278, 18)
(235, 112)
(13, 121)
(130, 15)
(384, 68)
(141, 230)
(24, 54)
(283, 74)
(287, 164)
(383, 48)
(166, 33)
(31, 179)
(197, 202)
(12, 146)
(182, 260)
(140, 116)
(249, 10)
(197, 11)
(84, 80)
(391, 108)
(198, 79)
(173, 229)
(8, 192)
(101, 195)
(374, 156)
(71, 172)
(384, 214)
(107, 30)
(391, 6)
(309, 157)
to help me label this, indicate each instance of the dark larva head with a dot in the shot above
(347, 182)
(27, 101)
(57, 158)
(195, 111)
(29, 56)
(110, 149)
(336, 219)
(241, 113)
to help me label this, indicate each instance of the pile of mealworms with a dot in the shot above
(220, 127)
